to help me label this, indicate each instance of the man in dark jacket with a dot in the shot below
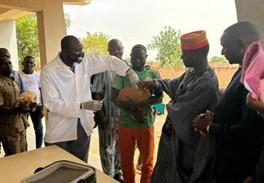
(236, 127)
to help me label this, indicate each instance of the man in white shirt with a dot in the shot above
(66, 94)
(31, 82)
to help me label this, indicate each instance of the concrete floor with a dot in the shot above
(94, 159)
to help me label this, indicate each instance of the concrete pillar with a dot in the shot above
(51, 27)
(252, 10)
(8, 39)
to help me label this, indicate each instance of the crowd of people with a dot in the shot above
(206, 137)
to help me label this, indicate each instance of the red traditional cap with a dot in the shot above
(194, 40)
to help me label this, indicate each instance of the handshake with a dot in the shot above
(93, 105)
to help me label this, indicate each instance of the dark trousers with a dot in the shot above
(38, 127)
(260, 166)
(235, 165)
(79, 147)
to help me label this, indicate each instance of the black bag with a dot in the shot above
(63, 172)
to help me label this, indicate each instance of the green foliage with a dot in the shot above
(67, 20)
(96, 43)
(167, 43)
(215, 59)
(27, 36)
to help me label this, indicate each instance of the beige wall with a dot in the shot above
(51, 24)
(52, 29)
(252, 10)
(8, 39)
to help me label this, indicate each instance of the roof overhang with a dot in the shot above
(13, 9)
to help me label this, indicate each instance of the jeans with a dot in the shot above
(38, 127)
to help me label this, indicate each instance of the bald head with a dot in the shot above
(115, 48)
(71, 50)
(70, 42)
(245, 30)
(236, 39)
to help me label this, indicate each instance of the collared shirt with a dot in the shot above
(63, 91)
(9, 94)
(127, 121)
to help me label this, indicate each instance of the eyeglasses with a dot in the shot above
(76, 55)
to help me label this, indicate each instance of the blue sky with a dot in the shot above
(137, 21)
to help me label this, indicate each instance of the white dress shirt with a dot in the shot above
(63, 91)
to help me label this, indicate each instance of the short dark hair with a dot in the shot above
(139, 46)
(28, 57)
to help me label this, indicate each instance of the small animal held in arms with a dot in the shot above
(28, 98)
(136, 96)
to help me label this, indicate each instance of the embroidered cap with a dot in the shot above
(194, 40)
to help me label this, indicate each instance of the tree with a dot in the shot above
(167, 43)
(215, 59)
(95, 43)
(27, 35)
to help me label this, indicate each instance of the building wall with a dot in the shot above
(252, 10)
(8, 39)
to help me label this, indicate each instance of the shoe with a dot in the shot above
(119, 177)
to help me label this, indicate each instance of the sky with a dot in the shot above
(137, 21)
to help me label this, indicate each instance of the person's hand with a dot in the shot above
(147, 84)
(133, 78)
(138, 114)
(201, 122)
(249, 179)
(32, 106)
(255, 103)
(93, 105)
(42, 112)
(23, 107)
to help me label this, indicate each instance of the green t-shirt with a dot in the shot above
(126, 120)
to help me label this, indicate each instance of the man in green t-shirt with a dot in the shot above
(136, 121)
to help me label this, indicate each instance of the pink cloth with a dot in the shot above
(252, 75)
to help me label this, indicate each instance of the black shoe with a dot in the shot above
(119, 177)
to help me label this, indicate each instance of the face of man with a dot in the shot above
(231, 49)
(28, 64)
(74, 53)
(138, 59)
(116, 49)
(188, 58)
(5, 66)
